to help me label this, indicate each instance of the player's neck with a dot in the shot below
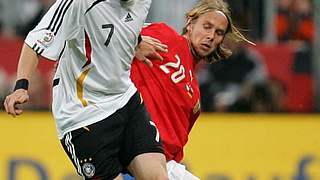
(194, 54)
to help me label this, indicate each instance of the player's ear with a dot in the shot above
(188, 25)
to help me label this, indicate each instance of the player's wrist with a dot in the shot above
(21, 84)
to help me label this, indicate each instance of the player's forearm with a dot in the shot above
(27, 63)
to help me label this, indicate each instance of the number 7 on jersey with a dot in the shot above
(111, 27)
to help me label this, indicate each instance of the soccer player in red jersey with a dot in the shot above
(170, 88)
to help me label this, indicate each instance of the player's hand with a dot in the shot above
(19, 96)
(147, 49)
(155, 43)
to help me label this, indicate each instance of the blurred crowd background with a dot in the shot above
(279, 74)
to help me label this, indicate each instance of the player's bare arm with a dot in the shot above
(27, 64)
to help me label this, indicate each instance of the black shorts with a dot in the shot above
(104, 149)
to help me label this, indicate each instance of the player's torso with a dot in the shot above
(176, 73)
(103, 49)
(170, 89)
(113, 30)
(177, 69)
(94, 67)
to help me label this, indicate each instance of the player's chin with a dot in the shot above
(203, 53)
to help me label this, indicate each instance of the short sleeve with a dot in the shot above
(59, 24)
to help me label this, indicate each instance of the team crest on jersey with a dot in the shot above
(47, 39)
(189, 89)
(88, 170)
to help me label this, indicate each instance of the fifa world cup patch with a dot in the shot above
(46, 38)
(88, 170)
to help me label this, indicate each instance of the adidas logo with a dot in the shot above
(128, 18)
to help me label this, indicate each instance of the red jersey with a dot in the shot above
(170, 89)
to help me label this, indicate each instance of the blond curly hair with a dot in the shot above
(204, 6)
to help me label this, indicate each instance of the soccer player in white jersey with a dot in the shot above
(101, 119)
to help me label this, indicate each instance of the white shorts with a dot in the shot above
(178, 171)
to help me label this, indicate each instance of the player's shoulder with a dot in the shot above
(161, 31)
(86, 3)
(158, 24)
(71, 4)
(161, 26)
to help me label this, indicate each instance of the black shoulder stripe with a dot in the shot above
(93, 4)
(37, 49)
(34, 46)
(64, 47)
(55, 31)
(60, 15)
(55, 14)
(41, 52)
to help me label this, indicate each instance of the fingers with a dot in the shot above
(155, 43)
(150, 39)
(9, 106)
(5, 105)
(161, 47)
(148, 62)
(156, 55)
(20, 96)
(18, 111)
(21, 99)
(150, 48)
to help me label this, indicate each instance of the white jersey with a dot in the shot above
(94, 41)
